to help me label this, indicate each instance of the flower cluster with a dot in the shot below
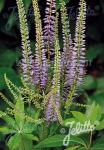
(67, 70)
(49, 28)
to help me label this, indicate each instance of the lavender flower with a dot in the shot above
(40, 66)
(77, 64)
(76, 68)
(40, 69)
(51, 114)
(49, 28)
(54, 101)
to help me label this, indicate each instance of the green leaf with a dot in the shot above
(92, 52)
(76, 140)
(72, 148)
(79, 117)
(14, 142)
(11, 22)
(82, 148)
(30, 137)
(98, 98)
(89, 83)
(2, 2)
(5, 130)
(53, 129)
(7, 58)
(29, 127)
(93, 113)
(27, 4)
(2, 137)
(98, 147)
(69, 120)
(57, 141)
(76, 148)
(100, 126)
(100, 83)
(54, 141)
(19, 113)
(98, 144)
(26, 144)
(70, 140)
(10, 121)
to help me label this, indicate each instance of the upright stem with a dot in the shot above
(90, 141)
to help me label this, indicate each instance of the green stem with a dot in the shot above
(90, 142)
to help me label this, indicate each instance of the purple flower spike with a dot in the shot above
(44, 71)
(71, 70)
(49, 29)
(51, 114)
(36, 70)
(40, 70)
(40, 66)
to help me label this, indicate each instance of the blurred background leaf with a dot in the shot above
(27, 4)
(8, 58)
(89, 83)
(2, 2)
(11, 74)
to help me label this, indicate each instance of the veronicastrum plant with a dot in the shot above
(50, 72)
(50, 78)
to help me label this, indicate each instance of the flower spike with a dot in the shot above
(67, 50)
(54, 101)
(41, 66)
(77, 65)
(67, 69)
(27, 61)
(67, 40)
(49, 28)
